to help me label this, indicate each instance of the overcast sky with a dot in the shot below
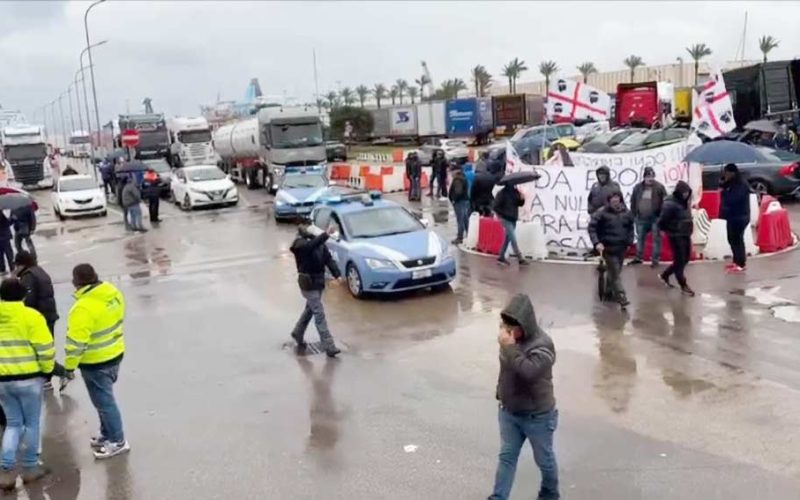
(184, 53)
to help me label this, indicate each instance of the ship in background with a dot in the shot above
(222, 112)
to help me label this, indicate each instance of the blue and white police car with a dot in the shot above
(298, 192)
(381, 247)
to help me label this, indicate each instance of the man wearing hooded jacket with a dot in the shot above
(646, 201)
(527, 403)
(602, 189)
(676, 220)
(611, 232)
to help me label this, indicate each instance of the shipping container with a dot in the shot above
(637, 104)
(470, 117)
(534, 109)
(431, 119)
(403, 121)
(508, 112)
(683, 104)
(766, 90)
(380, 123)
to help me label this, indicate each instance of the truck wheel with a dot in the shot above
(251, 179)
(270, 184)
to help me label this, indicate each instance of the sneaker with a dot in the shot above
(8, 479)
(635, 262)
(524, 262)
(31, 474)
(736, 269)
(729, 265)
(665, 280)
(457, 241)
(503, 262)
(332, 352)
(301, 345)
(110, 449)
(687, 291)
(96, 442)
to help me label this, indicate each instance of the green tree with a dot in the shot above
(393, 93)
(458, 85)
(547, 69)
(347, 96)
(362, 91)
(360, 118)
(401, 85)
(413, 92)
(379, 91)
(421, 82)
(587, 69)
(697, 52)
(633, 62)
(333, 99)
(765, 44)
(508, 72)
(482, 80)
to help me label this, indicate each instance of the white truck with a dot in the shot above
(190, 142)
(79, 142)
(258, 150)
(25, 154)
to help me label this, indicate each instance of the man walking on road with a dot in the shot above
(26, 358)
(459, 197)
(598, 196)
(676, 220)
(312, 257)
(24, 225)
(151, 190)
(527, 403)
(735, 210)
(131, 203)
(646, 201)
(414, 174)
(439, 173)
(506, 206)
(95, 345)
(6, 252)
(611, 232)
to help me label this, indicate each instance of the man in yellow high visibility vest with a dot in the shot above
(27, 358)
(95, 344)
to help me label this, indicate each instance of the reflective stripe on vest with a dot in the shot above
(75, 348)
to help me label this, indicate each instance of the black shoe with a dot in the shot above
(635, 262)
(300, 343)
(623, 300)
(524, 262)
(503, 262)
(654, 264)
(457, 241)
(665, 280)
(687, 291)
(332, 352)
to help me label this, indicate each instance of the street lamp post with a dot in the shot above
(680, 70)
(86, 102)
(78, 96)
(63, 123)
(69, 101)
(53, 120)
(91, 66)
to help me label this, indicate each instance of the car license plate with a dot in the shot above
(418, 275)
(304, 210)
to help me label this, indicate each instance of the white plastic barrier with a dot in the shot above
(531, 240)
(702, 225)
(749, 242)
(718, 248)
(395, 181)
(754, 209)
(472, 231)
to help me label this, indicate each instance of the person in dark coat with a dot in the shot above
(439, 165)
(611, 232)
(107, 174)
(481, 193)
(676, 220)
(312, 257)
(24, 220)
(459, 197)
(735, 210)
(646, 201)
(506, 206)
(151, 191)
(414, 174)
(601, 189)
(6, 252)
(527, 401)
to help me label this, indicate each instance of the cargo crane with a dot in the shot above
(426, 80)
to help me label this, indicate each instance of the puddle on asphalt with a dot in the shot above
(780, 307)
(790, 313)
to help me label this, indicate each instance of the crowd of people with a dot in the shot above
(132, 186)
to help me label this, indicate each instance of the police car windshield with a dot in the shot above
(380, 222)
(303, 181)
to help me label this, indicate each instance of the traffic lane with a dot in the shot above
(289, 427)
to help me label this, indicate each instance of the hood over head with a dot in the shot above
(602, 169)
(648, 172)
(519, 310)
(680, 192)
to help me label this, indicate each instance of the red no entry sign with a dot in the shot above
(130, 138)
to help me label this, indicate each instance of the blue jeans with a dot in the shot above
(415, 190)
(100, 385)
(22, 404)
(510, 229)
(313, 309)
(538, 428)
(644, 226)
(462, 209)
(135, 214)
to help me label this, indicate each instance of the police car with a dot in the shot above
(298, 192)
(381, 247)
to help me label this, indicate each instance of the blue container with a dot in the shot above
(468, 117)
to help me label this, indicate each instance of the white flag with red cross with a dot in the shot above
(571, 100)
(713, 111)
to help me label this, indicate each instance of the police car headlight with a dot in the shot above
(380, 264)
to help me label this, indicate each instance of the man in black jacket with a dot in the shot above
(6, 252)
(312, 256)
(506, 206)
(611, 232)
(676, 220)
(439, 164)
(735, 210)
(602, 189)
(459, 197)
(151, 191)
(24, 225)
(646, 201)
(527, 403)
(481, 193)
(414, 174)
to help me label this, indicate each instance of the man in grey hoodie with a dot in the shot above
(527, 404)
(131, 203)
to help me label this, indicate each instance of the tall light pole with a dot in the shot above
(91, 66)
(64, 134)
(53, 120)
(680, 70)
(69, 101)
(86, 100)
(78, 96)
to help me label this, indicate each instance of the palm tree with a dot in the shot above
(421, 82)
(482, 80)
(379, 91)
(587, 69)
(766, 43)
(698, 51)
(347, 96)
(519, 67)
(633, 62)
(413, 92)
(393, 93)
(547, 69)
(321, 103)
(508, 72)
(457, 86)
(362, 91)
(332, 98)
(401, 85)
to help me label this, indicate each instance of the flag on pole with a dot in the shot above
(515, 164)
(568, 99)
(713, 111)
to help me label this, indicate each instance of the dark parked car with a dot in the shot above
(648, 139)
(767, 171)
(610, 139)
(335, 151)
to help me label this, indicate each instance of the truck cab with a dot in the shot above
(190, 142)
(79, 142)
(25, 151)
(292, 138)
(153, 135)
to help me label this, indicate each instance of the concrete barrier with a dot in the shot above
(531, 240)
(702, 225)
(717, 247)
(471, 242)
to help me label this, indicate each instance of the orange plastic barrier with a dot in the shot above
(774, 231)
(373, 182)
(397, 155)
(710, 202)
(387, 170)
(363, 170)
(340, 171)
(765, 201)
(423, 182)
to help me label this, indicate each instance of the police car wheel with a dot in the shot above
(354, 281)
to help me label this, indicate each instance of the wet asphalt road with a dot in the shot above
(680, 399)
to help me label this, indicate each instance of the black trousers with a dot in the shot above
(736, 241)
(681, 253)
(6, 255)
(614, 259)
(152, 205)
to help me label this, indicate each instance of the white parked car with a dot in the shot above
(75, 195)
(202, 185)
(454, 149)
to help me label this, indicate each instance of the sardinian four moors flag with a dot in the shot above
(515, 164)
(713, 111)
(571, 100)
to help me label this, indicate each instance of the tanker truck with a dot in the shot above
(258, 150)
